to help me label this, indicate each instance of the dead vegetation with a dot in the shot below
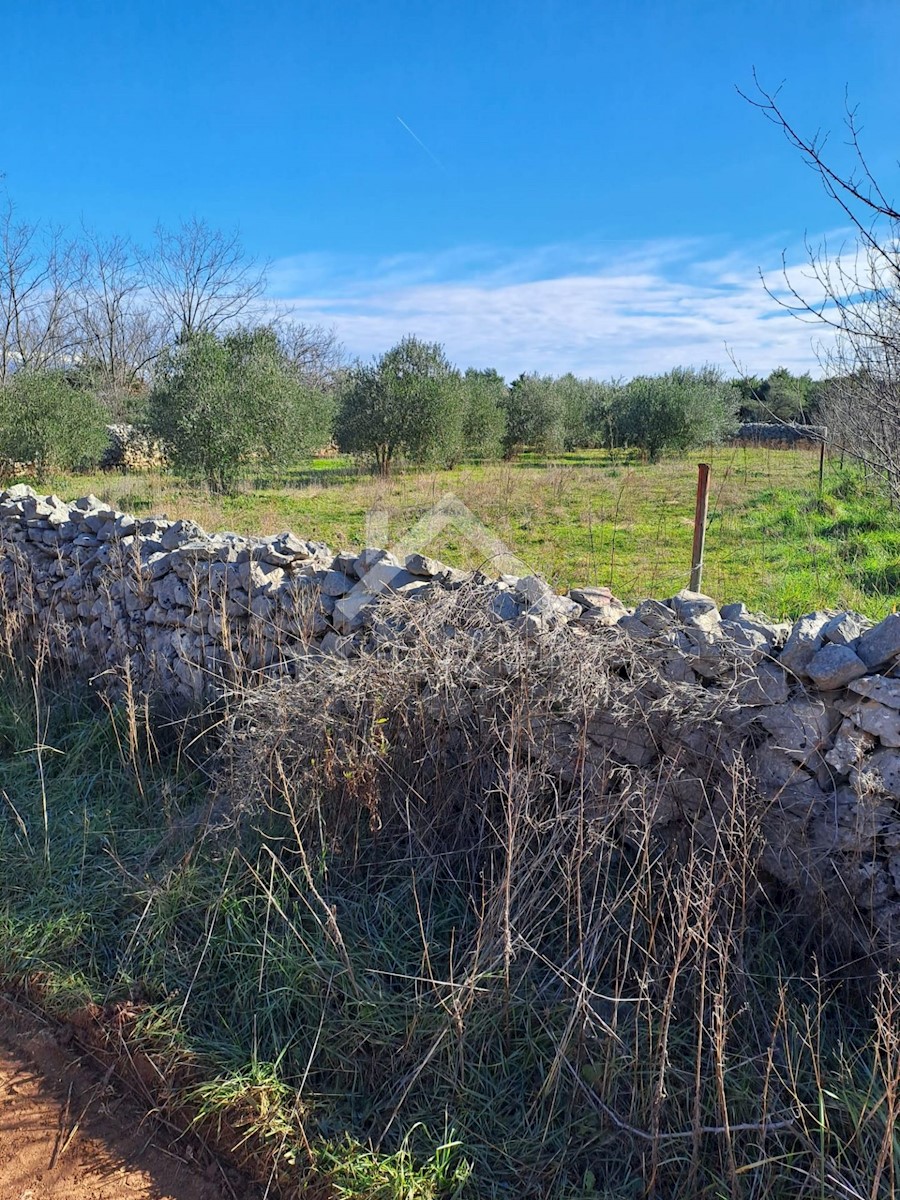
(472, 915)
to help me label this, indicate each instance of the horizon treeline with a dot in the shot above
(176, 338)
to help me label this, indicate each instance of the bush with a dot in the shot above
(48, 425)
(220, 404)
(676, 411)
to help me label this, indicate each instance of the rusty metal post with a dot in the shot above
(700, 514)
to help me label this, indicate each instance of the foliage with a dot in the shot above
(781, 397)
(49, 424)
(676, 411)
(549, 414)
(588, 411)
(406, 404)
(221, 404)
(534, 415)
(483, 414)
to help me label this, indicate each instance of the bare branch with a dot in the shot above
(200, 278)
(35, 277)
(118, 331)
(854, 293)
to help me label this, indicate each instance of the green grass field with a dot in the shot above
(587, 518)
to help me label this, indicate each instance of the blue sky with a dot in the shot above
(540, 185)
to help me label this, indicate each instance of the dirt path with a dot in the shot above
(67, 1134)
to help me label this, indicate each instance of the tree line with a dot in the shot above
(175, 338)
(224, 403)
(169, 335)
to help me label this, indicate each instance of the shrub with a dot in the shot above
(220, 404)
(48, 425)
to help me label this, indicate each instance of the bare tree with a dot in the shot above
(314, 351)
(855, 292)
(35, 280)
(117, 328)
(200, 278)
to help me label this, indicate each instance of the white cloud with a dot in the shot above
(603, 311)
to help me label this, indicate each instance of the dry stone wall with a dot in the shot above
(813, 706)
(780, 435)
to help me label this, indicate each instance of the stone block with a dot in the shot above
(694, 608)
(803, 641)
(846, 628)
(874, 718)
(877, 687)
(834, 666)
(880, 645)
(655, 615)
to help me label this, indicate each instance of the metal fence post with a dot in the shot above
(700, 514)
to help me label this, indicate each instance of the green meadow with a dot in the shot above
(590, 517)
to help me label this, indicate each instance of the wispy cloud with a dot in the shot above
(604, 310)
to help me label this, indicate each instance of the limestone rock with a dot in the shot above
(876, 687)
(850, 748)
(694, 608)
(874, 718)
(595, 597)
(181, 531)
(503, 606)
(804, 640)
(834, 666)
(800, 728)
(334, 583)
(533, 589)
(421, 565)
(369, 558)
(846, 628)
(881, 644)
(655, 615)
(766, 684)
(602, 616)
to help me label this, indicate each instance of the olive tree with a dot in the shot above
(220, 404)
(676, 411)
(534, 415)
(404, 405)
(47, 425)
(483, 415)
